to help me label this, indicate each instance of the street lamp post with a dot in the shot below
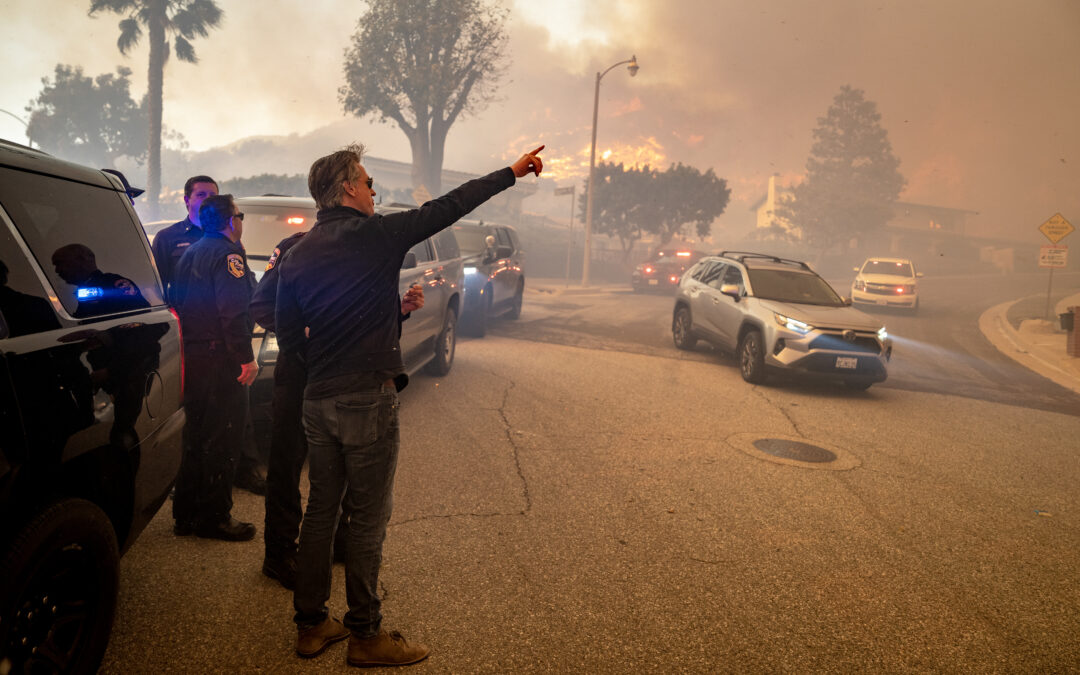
(29, 141)
(633, 68)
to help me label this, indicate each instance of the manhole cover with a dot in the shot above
(793, 451)
(796, 450)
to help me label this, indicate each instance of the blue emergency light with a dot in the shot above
(89, 293)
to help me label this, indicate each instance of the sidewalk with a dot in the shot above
(559, 286)
(1037, 344)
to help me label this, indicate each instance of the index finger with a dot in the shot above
(537, 150)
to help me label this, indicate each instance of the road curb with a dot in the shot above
(1007, 340)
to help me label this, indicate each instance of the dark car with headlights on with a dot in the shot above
(428, 338)
(494, 273)
(777, 314)
(664, 270)
(91, 379)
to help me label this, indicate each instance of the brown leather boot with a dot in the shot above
(314, 641)
(384, 649)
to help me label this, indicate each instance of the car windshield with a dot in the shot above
(470, 239)
(895, 269)
(791, 286)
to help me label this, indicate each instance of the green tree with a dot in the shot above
(423, 64)
(688, 197)
(624, 205)
(852, 177)
(630, 203)
(184, 20)
(88, 120)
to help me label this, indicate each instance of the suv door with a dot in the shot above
(423, 324)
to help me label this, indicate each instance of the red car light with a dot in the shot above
(674, 279)
(648, 270)
(683, 254)
(295, 220)
(180, 337)
(899, 290)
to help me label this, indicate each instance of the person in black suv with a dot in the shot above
(90, 414)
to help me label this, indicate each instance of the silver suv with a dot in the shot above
(778, 314)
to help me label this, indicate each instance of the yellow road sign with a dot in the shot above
(421, 194)
(1057, 228)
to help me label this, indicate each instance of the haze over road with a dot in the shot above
(601, 508)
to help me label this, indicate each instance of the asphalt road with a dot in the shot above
(574, 500)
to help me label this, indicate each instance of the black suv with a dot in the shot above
(494, 273)
(90, 405)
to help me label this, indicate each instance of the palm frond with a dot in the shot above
(130, 32)
(184, 50)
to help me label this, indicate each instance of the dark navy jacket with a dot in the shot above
(170, 244)
(264, 299)
(341, 280)
(211, 292)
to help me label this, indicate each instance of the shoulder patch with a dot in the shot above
(273, 259)
(235, 263)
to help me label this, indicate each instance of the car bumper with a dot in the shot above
(829, 355)
(881, 300)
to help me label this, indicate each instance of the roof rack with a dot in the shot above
(741, 256)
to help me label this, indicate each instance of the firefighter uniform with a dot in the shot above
(211, 291)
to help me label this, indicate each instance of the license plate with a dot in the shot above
(654, 282)
(849, 362)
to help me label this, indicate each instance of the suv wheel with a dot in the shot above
(752, 357)
(519, 298)
(444, 345)
(857, 385)
(59, 592)
(681, 329)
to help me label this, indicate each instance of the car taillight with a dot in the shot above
(295, 220)
(180, 336)
(674, 278)
(648, 270)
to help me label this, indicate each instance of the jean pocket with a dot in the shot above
(358, 422)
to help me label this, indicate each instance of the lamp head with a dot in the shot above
(633, 67)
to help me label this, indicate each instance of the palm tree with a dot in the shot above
(184, 19)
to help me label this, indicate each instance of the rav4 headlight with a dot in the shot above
(793, 324)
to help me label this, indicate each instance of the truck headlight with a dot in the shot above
(883, 334)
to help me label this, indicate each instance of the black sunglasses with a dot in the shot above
(239, 215)
(370, 181)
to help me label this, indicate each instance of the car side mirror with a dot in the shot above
(846, 301)
(409, 262)
(919, 274)
(730, 289)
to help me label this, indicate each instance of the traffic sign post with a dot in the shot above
(572, 191)
(1055, 229)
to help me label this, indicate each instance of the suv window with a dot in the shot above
(446, 244)
(710, 275)
(732, 275)
(23, 303)
(504, 238)
(799, 287)
(422, 252)
(76, 234)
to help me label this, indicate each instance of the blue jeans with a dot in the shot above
(352, 455)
